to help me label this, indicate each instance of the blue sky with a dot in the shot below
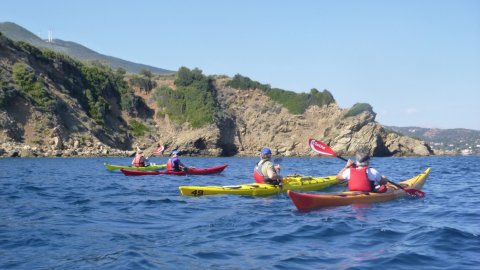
(416, 62)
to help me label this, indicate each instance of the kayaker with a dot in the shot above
(265, 171)
(360, 176)
(174, 163)
(139, 160)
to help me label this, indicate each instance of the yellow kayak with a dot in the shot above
(304, 201)
(292, 182)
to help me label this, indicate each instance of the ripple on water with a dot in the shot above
(79, 216)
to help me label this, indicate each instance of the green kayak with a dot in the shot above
(151, 167)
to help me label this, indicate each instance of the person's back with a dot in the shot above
(361, 177)
(139, 160)
(174, 163)
(265, 171)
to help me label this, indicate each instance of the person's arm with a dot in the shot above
(277, 168)
(340, 175)
(383, 180)
(145, 161)
(377, 177)
(273, 175)
(180, 164)
(273, 172)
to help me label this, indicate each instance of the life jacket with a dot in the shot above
(169, 165)
(257, 173)
(359, 180)
(138, 162)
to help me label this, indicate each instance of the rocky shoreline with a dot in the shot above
(98, 150)
(18, 150)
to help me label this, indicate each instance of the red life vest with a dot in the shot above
(257, 173)
(169, 165)
(138, 162)
(359, 180)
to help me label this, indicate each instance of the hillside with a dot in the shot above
(448, 141)
(54, 105)
(75, 50)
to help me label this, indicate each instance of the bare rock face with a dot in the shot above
(406, 146)
(259, 122)
(250, 121)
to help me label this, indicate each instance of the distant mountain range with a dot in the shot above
(466, 141)
(75, 50)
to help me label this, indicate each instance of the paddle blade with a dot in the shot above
(415, 192)
(321, 148)
(159, 149)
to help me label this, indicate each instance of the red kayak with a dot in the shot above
(191, 171)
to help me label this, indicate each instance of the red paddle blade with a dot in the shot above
(321, 148)
(159, 149)
(415, 192)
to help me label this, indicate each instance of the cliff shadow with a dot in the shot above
(226, 142)
(18, 111)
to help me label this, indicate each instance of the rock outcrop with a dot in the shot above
(250, 120)
(246, 120)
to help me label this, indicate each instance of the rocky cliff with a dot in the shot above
(64, 111)
(251, 121)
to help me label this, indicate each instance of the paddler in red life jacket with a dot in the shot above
(174, 163)
(265, 171)
(139, 160)
(360, 176)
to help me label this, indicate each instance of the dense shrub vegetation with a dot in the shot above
(144, 81)
(32, 87)
(6, 91)
(244, 83)
(296, 103)
(358, 108)
(193, 100)
(90, 83)
(137, 128)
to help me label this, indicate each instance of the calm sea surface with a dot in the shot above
(71, 213)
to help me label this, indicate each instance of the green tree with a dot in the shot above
(358, 108)
(193, 101)
(295, 103)
(137, 128)
(22, 75)
(32, 87)
(146, 73)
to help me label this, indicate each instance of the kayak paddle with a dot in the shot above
(158, 150)
(323, 149)
(410, 191)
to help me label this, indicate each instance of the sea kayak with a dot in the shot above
(293, 182)
(151, 167)
(191, 171)
(304, 201)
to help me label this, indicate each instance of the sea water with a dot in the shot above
(71, 213)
